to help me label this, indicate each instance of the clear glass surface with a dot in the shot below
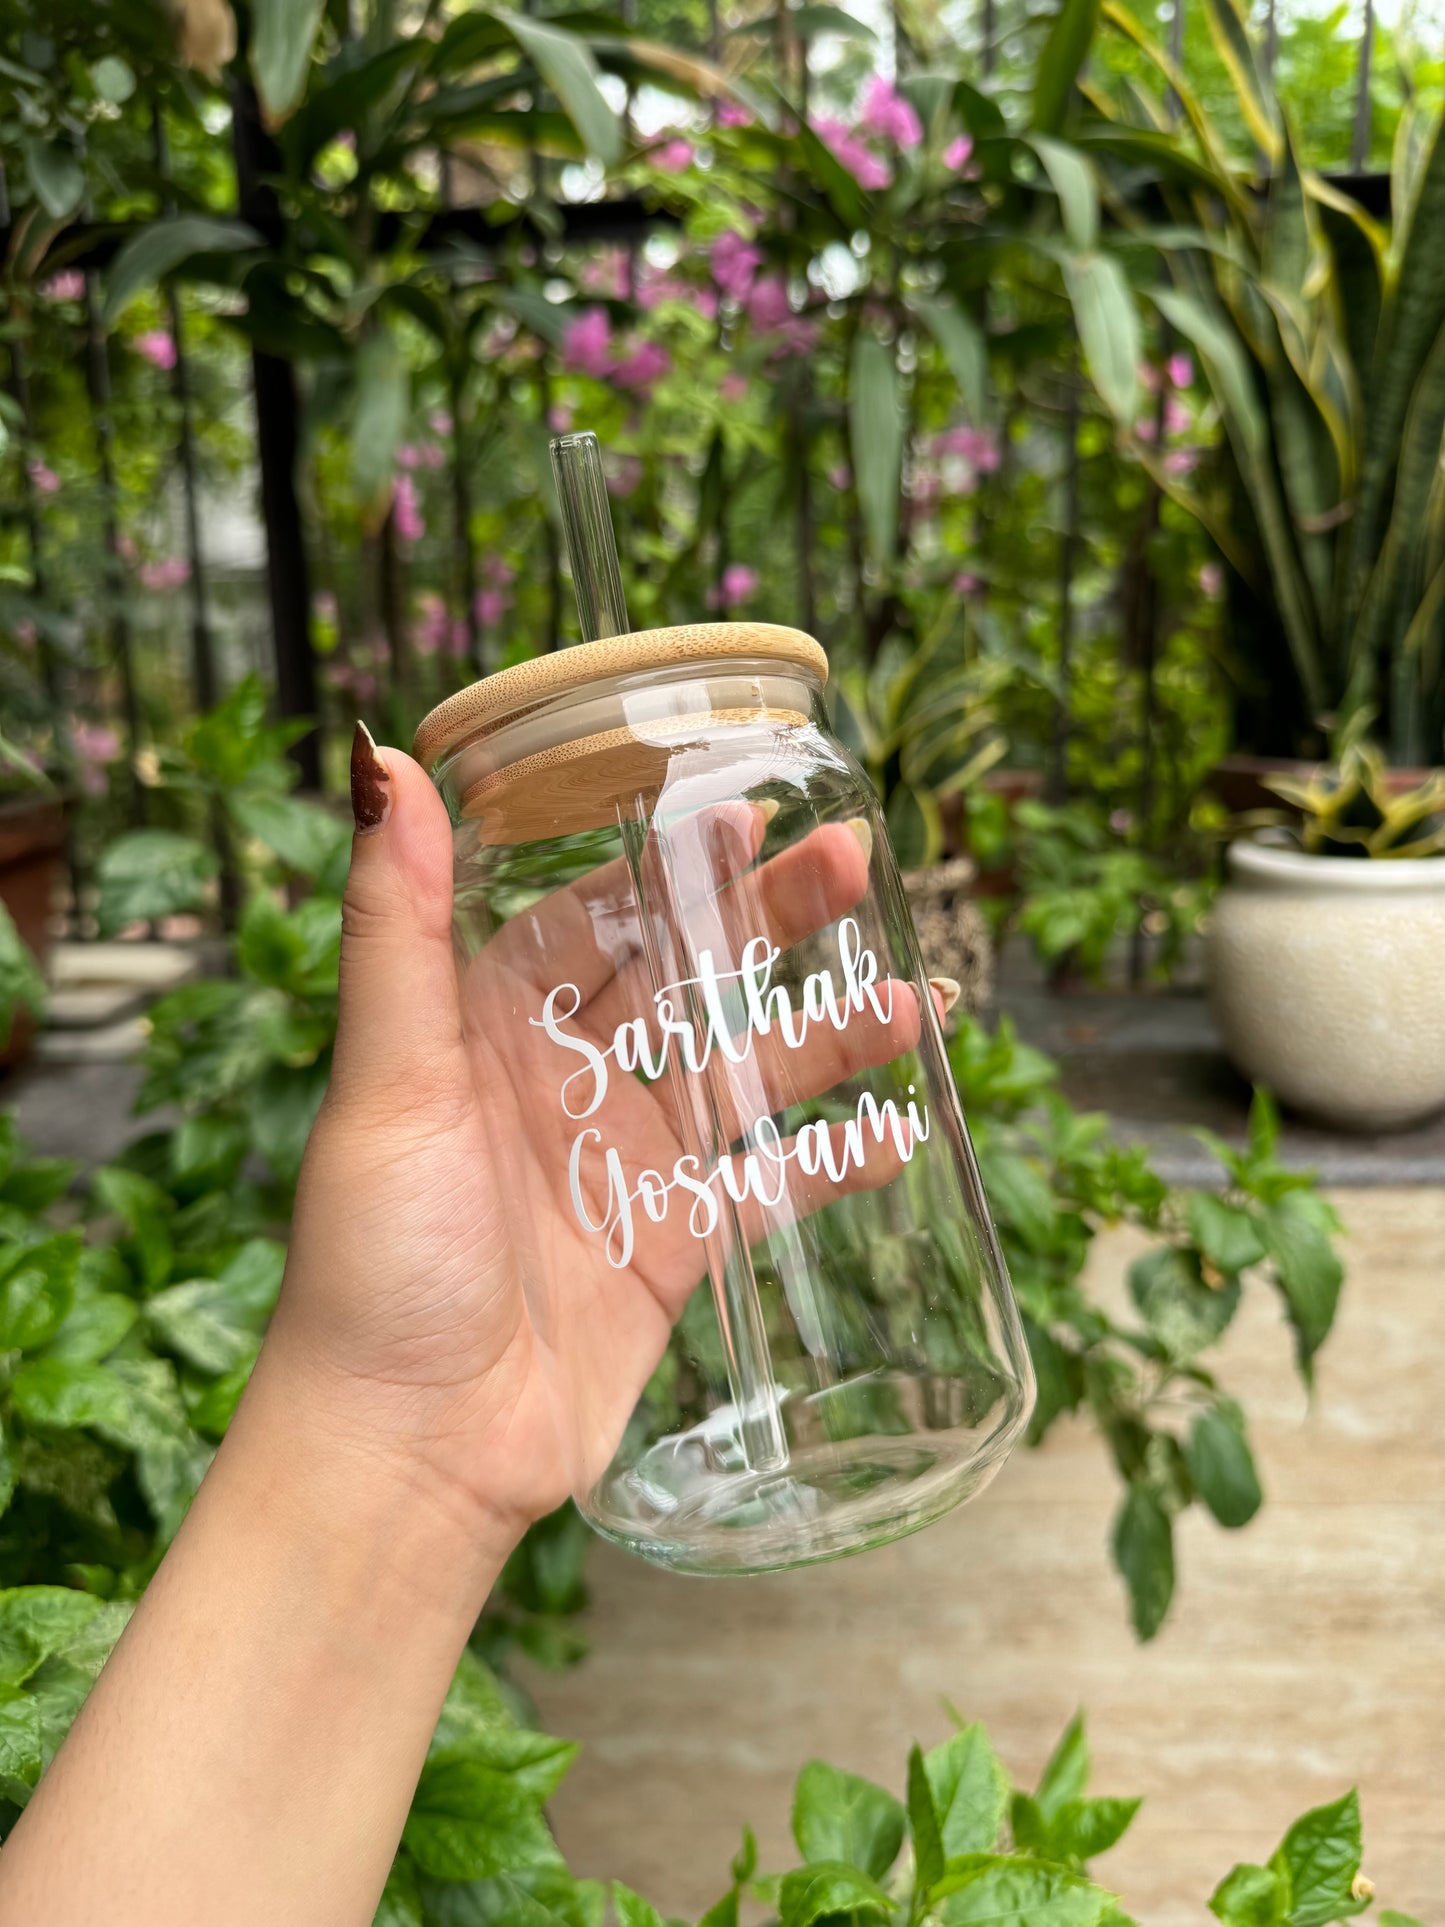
(736, 1174)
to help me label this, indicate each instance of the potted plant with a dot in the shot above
(1323, 951)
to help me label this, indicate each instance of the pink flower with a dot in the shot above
(795, 337)
(95, 743)
(1149, 377)
(735, 263)
(441, 423)
(1181, 461)
(559, 418)
(406, 511)
(1145, 429)
(643, 368)
(849, 151)
(430, 631)
(625, 476)
(1177, 418)
(888, 115)
(43, 476)
(587, 344)
(408, 456)
(767, 303)
(976, 446)
(497, 572)
(606, 273)
(323, 606)
(1211, 580)
(157, 347)
(164, 575)
(491, 605)
(738, 583)
(675, 157)
(966, 583)
(733, 388)
(730, 114)
(958, 154)
(69, 286)
(1180, 370)
(840, 478)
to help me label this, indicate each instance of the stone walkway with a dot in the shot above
(1305, 1654)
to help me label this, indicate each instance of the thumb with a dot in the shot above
(399, 1028)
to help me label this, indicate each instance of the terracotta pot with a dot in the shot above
(1324, 975)
(32, 844)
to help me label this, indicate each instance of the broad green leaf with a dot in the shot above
(145, 1210)
(1072, 179)
(1108, 325)
(282, 35)
(93, 1328)
(1390, 1917)
(113, 80)
(928, 1853)
(632, 1910)
(296, 950)
(1071, 33)
(813, 1893)
(1307, 1266)
(1144, 1553)
(1183, 1312)
(474, 1707)
(1230, 33)
(839, 1817)
(1250, 1896)
(1222, 1466)
(22, 988)
(1020, 1196)
(159, 249)
(1082, 1829)
(306, 837)
(1066, 1777)
(36, 1621)
(875, 421)
(1225, 1235)
(9, 1474)
(401, 1904)
(282, 1106)
(379, 419)
(565, 64)
(217, 1323)
(469, 1821)
(152, 873)
(1224, 364)
(970, 1791)
(36, 1292)
(962, 342)
(170, 1460)
(56, 175)
(60, 1396)
(1320, 1857)
(991, 1890)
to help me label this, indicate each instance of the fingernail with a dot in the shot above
(863, 830)
(370, 783)
(949, 990)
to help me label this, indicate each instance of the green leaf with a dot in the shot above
(170, 1460)
(113, 80)
(1183, 1312)
(1108, 325)
(36, 1292)
(21, 985)
(1226, 1235)
(1296, 1230)
(1020, 1196)
(56, 175)
(839, 1817)
(876, 430)
(306, 837)
(1222, 1466)
(990, 1890)
(1071, 33)
(54, 1393)
(565, 64)
(145, 1210)
(1390, 1917)
(1072, 179)
(1066, 1777)
(160, 248)
(400, 1904)
(9, 1471)
(1224, 364)
(1082, 1829)
(217, 1323)
(632, 1910)
(813, 1893)
(1320, 1857)
(1249, 1897)
(1230, 33)
(469, 1821)
(379, 419)
(282, 1107)
(282, 35)
(970, 1791)
(928, 1854)
(1144, 1553)
(152, 873)
(95, 1325)
(962, 342)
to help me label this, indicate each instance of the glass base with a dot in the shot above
(681, 1506)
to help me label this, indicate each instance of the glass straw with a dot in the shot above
(591, 546)
(591, 543)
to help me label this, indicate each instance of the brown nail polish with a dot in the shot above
(370, 783)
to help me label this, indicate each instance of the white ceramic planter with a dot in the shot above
(1327, 978)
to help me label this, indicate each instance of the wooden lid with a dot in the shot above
(492, 700)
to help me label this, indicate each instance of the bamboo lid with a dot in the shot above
(486, 704)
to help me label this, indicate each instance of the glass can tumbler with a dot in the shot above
(735, 1178)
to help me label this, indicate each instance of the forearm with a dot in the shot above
(250, 1750)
